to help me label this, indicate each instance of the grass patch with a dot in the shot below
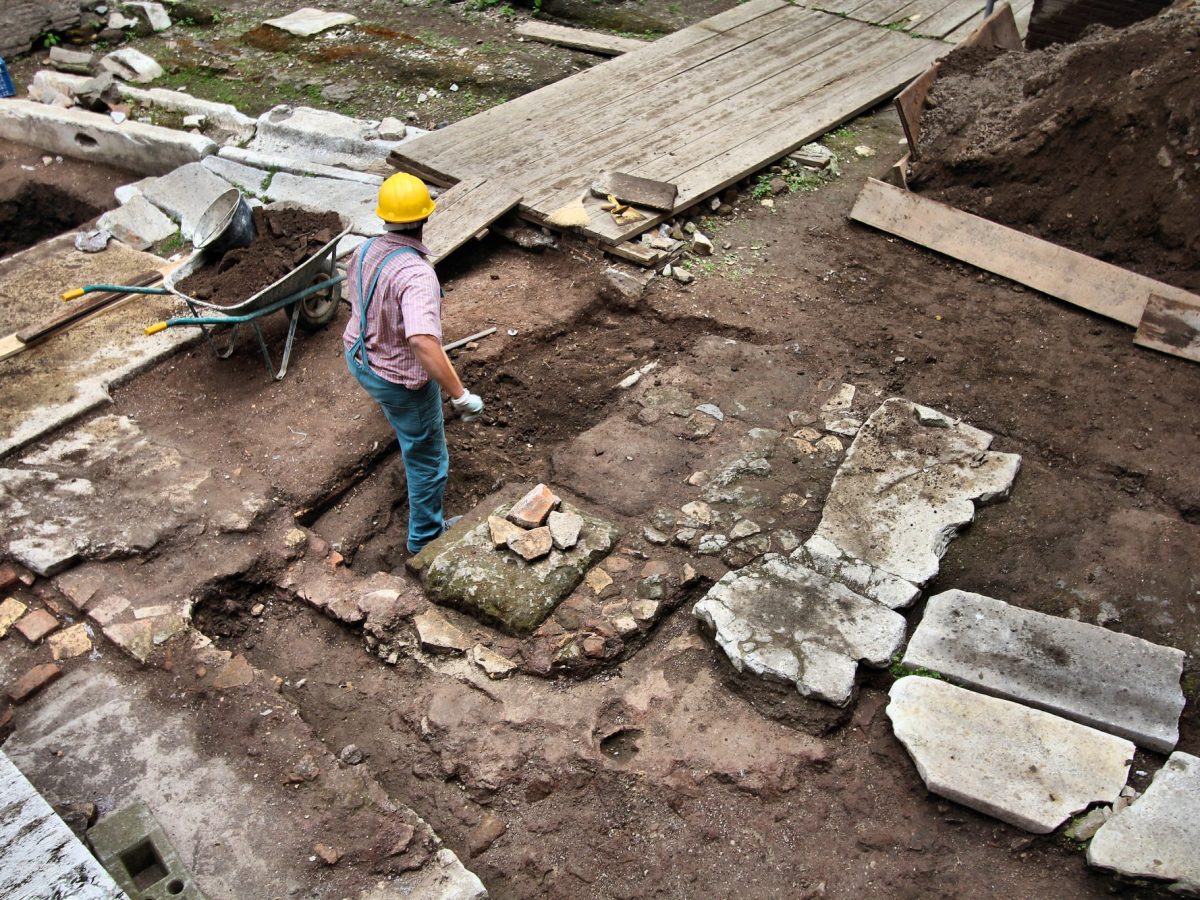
(900, 670)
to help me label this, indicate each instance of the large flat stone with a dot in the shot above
(1158, 836)
(1115, 682)
(1024, 766)
(464, 569)
(306, 22)
(184, 194)
(139, 223)
(323, 137)
(352, 199)
(781, 620)
(133, 146)
(909, 481)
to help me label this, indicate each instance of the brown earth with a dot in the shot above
(1094, 145)
(284, 239)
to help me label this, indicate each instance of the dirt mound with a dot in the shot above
(1093, 145)
(285, 238)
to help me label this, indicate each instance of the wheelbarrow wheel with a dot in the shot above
(318, 310)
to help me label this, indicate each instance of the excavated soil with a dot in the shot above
(1093, 145)
(284, 239)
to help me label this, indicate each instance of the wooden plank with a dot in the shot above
(578, 38)
(1171, 325)
(998, 31)
(606, 91)
(1072, 277)
(79, 309)
(638, 191)
(463, 211)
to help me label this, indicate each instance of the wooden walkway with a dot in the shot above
(702, 108)
(951, 20)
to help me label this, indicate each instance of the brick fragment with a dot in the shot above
(36, 624)
(10, 610)
(532, 510)
(33, 681)
(8, 576)
(70, 642)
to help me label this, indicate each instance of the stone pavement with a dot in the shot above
(1158, 836)
(1115, 682)
(1025, 767)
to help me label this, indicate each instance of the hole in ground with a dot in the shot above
(622, 745)
(33, 211)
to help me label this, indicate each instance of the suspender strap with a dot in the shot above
(364, 299)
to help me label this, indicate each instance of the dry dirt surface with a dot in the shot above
(1094, 145)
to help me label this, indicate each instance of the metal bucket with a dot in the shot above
(227, 223)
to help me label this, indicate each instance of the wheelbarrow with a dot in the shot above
(308, 295)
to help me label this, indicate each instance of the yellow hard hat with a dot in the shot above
(403, 198)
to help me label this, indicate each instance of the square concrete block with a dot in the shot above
(135, 850)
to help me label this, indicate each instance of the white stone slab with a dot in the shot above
(1024, 766)
(130, 64)
(184, 194)
(153, 14)
(822, 556)
(323, 137)
(306, 22)
(781, 620)
(909, 481)
(248, 179)
(1158, 836)
(138, 223)
(42, 856)
(353, 200)
(133, 146)
(1115, 682)
(280, 163)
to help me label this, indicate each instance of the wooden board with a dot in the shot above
(1072, 277)
(463, 211)
(701, 108)
(578, 38)
(1171, 325)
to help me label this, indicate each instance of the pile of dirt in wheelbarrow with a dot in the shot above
(1093, 145)
(285, 238)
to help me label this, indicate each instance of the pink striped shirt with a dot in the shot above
(408, 300)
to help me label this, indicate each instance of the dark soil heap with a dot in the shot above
(285, 239)
(1093, 145)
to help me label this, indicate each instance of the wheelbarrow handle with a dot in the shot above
(112, 288)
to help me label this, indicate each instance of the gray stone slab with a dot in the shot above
(139, 223)
(184, 194)
(822, 556)
(308, 21)
(352, 199)
(130, 64)
(909, 481)
(1158, 836)
(42, 856)
(248, 179)
(1115, 682)
(133, 146)
(781, 620)
(323, 137)
(1026, 767)
(465, 569)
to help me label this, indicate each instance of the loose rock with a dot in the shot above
(564, 529)
(532, 510)
(532, 545)
(438, 635)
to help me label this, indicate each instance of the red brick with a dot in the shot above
(36, 624)
(532, 510)
(33, 681)
(8, 576)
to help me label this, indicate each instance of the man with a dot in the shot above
(394, 348)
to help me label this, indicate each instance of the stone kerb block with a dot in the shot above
(1023, 766)
(1115, 682)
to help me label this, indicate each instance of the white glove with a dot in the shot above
(468, 406)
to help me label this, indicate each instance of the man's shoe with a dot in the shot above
(450, 523)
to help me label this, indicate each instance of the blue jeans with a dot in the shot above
(416, 417)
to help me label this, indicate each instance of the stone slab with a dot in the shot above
(269, 161)
(1023, 766)
(1115, 682)
(131, 64)
(133, 146)
(306, 22)
(323, 137)
(23, 22)
(862, 578)
(1158, 836)
(154, 15)
(184, 194)
(909, 481)
(462, 568)
(247, 179)
(781, 620)
(139, 223)
(353, 200)
(42, 856)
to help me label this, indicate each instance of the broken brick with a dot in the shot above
(33, 681)
(70, 642)
(10, 610)
(531, 545)
(501, 530)
(8, 576)
(532, 510)
(36, 624)
(328, 855)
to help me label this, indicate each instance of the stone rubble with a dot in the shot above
(779, 619)
(501, 530)
(1112, 681)
(493, 664)
(438, 635)
(533, 544)
(1158, 835)
(1023, 766)
(138, 223)
(133, 65)
(564, 529)
(532, 510)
